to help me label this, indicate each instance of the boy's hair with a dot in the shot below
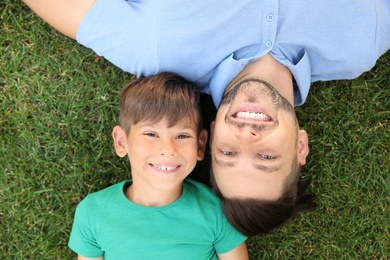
(164, 95)
(253, 217)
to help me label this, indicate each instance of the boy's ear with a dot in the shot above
(119, 136)
(202, 141)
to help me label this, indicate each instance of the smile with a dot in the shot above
(255, 119)
(253, 115)
(251, 112)
(166, 168)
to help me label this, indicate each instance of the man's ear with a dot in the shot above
(303, 147)
(202, 141)
(119, 136)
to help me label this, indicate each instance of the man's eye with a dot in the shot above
(266, 157)
(228, 153)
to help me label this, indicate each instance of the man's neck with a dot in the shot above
(270, 70)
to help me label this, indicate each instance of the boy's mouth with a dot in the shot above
(165, 167)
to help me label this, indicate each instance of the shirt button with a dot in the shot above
(270, 17)
(268, 44)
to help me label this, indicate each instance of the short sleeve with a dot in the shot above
(124, 33)
(228, 237)
(383, 26)
(83, 236)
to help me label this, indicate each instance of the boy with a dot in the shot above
(158, 214)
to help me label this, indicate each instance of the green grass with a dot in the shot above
(58, 106)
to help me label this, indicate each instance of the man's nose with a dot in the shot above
(247, 135)
(168, 147)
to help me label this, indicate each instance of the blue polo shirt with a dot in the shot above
(210, 42)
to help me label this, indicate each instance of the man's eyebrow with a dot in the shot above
(223, 163)
(260, 167)
(267, 168)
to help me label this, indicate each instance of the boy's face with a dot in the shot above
(161, 156)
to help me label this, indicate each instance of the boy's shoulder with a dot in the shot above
(197, 186)
(108, 194)
(195, 196)
(200, 192)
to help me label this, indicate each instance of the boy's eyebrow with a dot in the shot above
(153, 125)
(188, 127)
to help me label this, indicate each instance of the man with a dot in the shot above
(257, 60)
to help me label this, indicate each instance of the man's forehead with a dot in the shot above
(238, 185)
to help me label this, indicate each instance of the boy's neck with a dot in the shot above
(145, 197)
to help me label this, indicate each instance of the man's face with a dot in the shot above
(254, 140)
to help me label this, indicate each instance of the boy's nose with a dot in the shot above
(168, 148)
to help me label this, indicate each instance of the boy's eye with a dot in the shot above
(183, 136)
(228, 153)
(150, 134)
(266, 157)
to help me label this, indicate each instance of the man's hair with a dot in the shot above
(164, 95)
(253, 217)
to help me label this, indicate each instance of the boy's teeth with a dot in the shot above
(164, 168)
(252, 115)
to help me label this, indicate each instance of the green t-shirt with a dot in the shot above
(192, 227)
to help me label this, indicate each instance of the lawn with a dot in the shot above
(58, 104)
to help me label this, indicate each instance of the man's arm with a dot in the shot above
(63, 15)
(238, 253)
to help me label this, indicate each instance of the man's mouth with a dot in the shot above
(252, 115)
(251, 112)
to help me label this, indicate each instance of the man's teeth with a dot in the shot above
(252, 115)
